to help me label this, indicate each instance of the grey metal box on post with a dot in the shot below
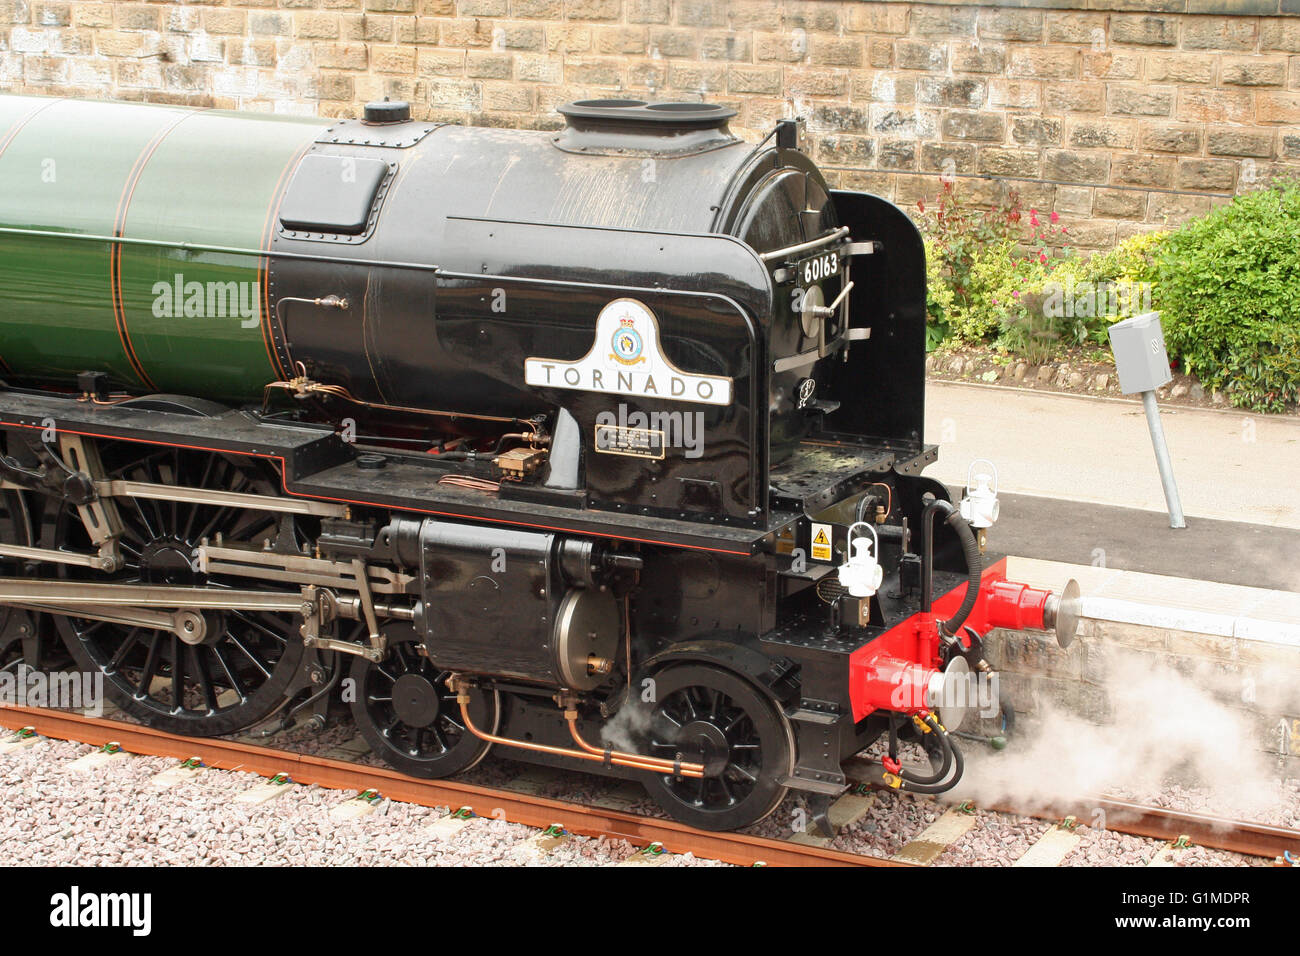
(1143, 365)
(1140, 357)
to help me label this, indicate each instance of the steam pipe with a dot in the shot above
(633, 761)
(656, 764)
(974, 563)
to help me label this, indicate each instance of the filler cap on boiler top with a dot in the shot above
(387, 111)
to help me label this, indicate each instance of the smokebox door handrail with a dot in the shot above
(827, 239)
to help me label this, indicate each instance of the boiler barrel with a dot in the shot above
(155, 318)
(624, 198)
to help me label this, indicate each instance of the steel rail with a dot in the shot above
(1214, 832)
(737, 848)
(1247, 837)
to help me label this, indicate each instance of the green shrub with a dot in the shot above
(1227, 285)
(1136, 259)
(939, 297)
(1229, 295)
(957, 239)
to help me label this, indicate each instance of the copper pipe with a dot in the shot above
(621, 760)
(649, 763)
(338, 391)
(627, 636)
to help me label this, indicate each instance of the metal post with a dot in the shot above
(1163, 463)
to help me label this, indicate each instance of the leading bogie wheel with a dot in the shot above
(716, 717)
(409, 716)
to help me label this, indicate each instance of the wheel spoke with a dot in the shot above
(150, 666)
(231, 677)
(178, 675)
(438, 736)
(257, 625)
(132, 638)
(90, 628)
(257, 662)
(715, 703)
(222, 513)
(134, 525)
(742, 771)
(194, 508)
(449, 719)
(205, 682)
(156, 506)
(150, 532)
(250, 524)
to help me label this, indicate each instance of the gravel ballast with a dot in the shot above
(114, 815)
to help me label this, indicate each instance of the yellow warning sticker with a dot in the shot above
(821, 542)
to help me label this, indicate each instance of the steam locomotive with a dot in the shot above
(601, 445)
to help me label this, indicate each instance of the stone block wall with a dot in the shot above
(1120, 115)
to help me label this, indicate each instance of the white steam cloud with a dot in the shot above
(1165, 730)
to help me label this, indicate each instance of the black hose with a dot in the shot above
(974, 562)
(941, 773)
(952, 755)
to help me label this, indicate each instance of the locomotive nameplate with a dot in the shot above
(633, 442)
(626, 359)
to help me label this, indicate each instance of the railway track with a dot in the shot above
(528, 809)
(559, 818)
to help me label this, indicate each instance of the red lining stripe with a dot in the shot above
(115, 254)
(264, 264)
(17, 128)
(374, 504)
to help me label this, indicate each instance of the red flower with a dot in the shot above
(1033, 217)
(1042, 257)
(1055, 218)
(920, 205)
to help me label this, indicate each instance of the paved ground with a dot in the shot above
(1252, 555)
(1079, 482)
(1230, 465)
